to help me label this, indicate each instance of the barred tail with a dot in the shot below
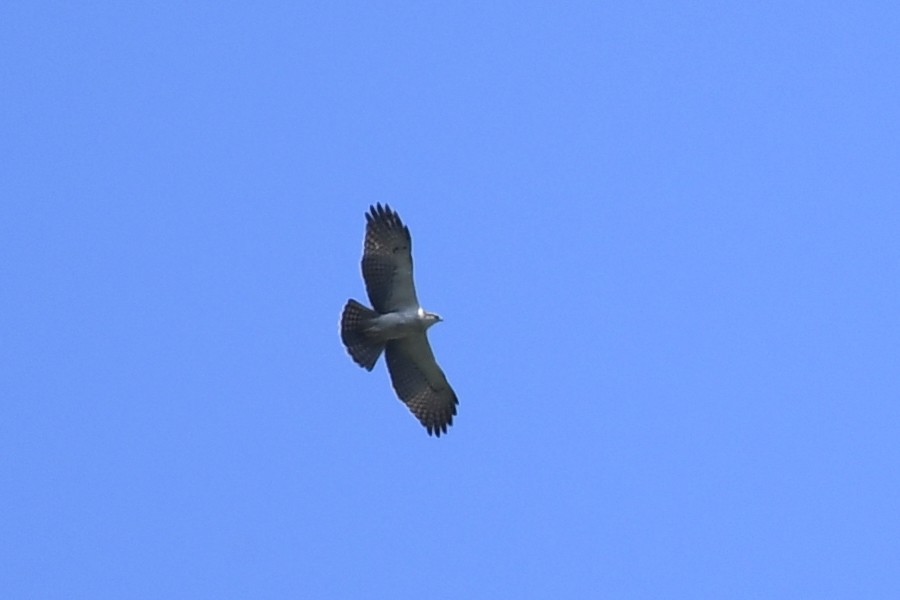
(362, 348)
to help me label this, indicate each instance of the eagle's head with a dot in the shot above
(429, 318)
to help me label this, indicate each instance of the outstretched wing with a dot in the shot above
(387, 261)
(420, 383)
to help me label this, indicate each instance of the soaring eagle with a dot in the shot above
(398, 324)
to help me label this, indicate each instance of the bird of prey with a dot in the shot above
(398, 324)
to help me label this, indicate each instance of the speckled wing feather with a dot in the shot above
(420, 382)
(387, 261)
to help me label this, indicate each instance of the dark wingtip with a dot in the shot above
(377, 210)
(384, 214)
(436, 429)
(383, 217)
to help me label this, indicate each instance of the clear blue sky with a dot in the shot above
(665, 239)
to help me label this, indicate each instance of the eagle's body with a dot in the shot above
(397, 325)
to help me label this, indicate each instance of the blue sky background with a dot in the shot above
(665, 238)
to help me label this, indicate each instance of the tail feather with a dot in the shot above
(362, 348)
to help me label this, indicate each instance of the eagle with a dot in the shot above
(398, 324)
